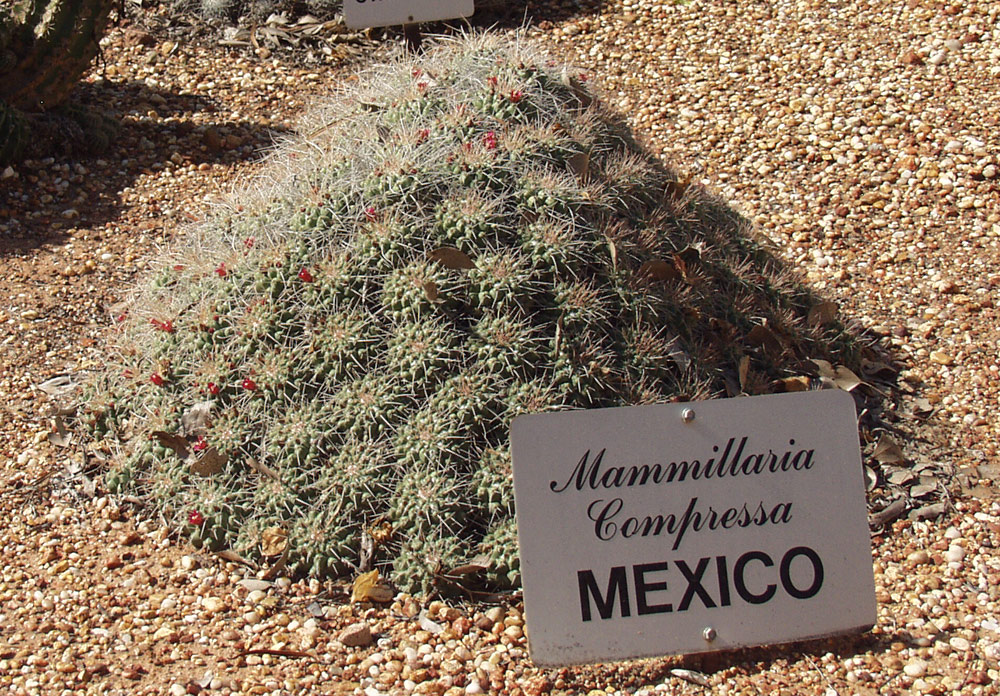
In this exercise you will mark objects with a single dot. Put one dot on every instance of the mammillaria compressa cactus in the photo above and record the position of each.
(328, 368)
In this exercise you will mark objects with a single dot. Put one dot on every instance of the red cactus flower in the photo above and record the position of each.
(249, 242)
(121, 317)
(516, 95)
(490, 140)
(422, 86)
(179, 267)
(248, 384)
(417, 72)
(220, 270)
(583, 77)
(370, 213)
(167, 325)
(212, 388)
(200, 445)
(423, 134)
(157, 379)
(195, 518)
(305, 276)
(491, 81)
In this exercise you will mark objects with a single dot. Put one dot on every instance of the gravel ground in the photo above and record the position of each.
(860, 137)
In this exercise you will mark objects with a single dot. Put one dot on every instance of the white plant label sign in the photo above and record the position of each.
(360, 14)
(693, 527)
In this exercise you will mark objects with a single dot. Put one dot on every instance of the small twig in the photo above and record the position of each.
(821, 672)
(280, 652)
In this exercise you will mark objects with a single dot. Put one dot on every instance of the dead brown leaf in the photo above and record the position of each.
(676, 189)
(210, 462)
(431, 290)
(762, 336)
(579, 164)
(794, 384)
(744, 372)
(452, 258)
(658, 269)
(476, 565)
(887, 451)
(273, 541)
(822, 314)
(368, 587)
(845, 379)
(177, 443)
(61, 437)
(279, 565)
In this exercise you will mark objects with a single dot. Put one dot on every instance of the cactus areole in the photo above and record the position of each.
(458, 239)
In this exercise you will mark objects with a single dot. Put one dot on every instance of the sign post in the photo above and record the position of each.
(696, 527)
(361, 14)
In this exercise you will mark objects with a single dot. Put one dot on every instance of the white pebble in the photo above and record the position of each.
(915, 668)
(954, 554)
(959, 643)
(473, 687)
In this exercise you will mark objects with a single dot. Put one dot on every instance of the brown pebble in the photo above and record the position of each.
(131, 538)
(356, 635)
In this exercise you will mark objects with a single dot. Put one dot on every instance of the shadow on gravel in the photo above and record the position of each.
(648, 672)
(152, 130)
(510, 15)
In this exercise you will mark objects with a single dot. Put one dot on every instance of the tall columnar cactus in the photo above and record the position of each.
(328, 368)
(45, 46)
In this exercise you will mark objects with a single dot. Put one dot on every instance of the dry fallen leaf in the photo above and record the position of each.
(61, 437)
(452, 258)
(210, 462)
(744, 372)
(273, 541)
(234, 557)
(262, 469)
(887, 451)
(197, 420)
(794, 384)
(825, 368)
(822, 314)
(177, 443)
(579, 164)
(658, 269)
(369, 588)
(690, 676)
(845, 379)
(279, 565)
(476, 565)
(431, 290)
(762, 336)
(676, 189)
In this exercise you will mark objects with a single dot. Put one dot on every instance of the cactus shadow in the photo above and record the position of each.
(150, 130)
(511, 15)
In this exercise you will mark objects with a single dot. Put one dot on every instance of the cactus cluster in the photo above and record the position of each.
(334, 358)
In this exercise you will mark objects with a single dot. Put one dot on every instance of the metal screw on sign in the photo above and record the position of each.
(709, 634)
(687, 415)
